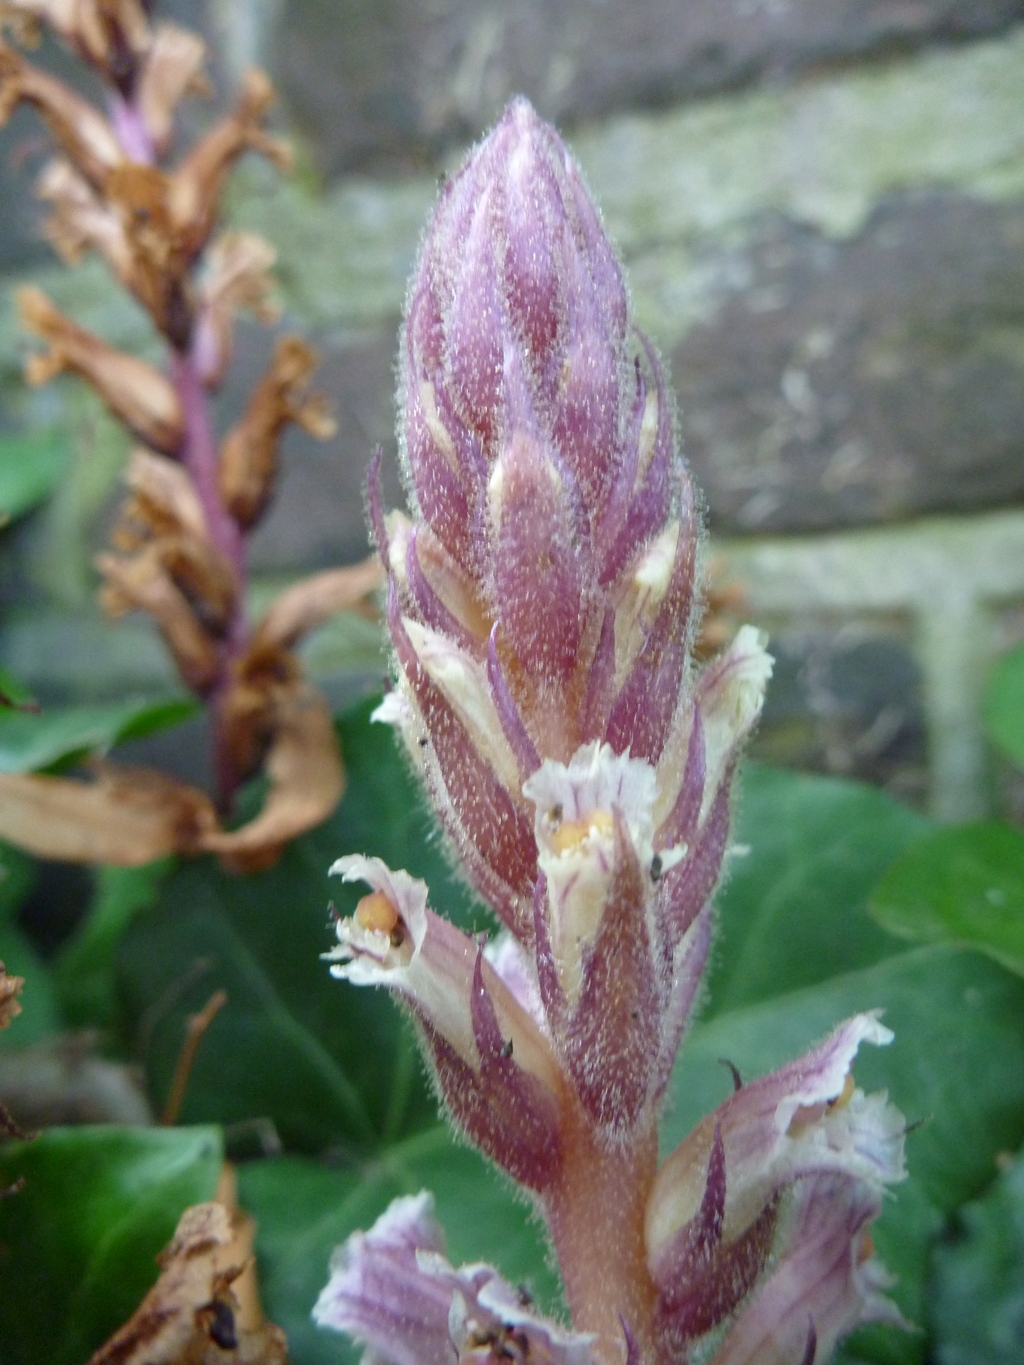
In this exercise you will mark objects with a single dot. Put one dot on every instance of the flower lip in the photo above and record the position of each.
(790, 1123)
(367, 952)
(582, 794)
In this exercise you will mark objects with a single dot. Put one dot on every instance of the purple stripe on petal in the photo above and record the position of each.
(643, 711)
(493, 834)
(680, 826)
(650, 504)
(600, 683)
(823, 1284)
(685, 888)
(505, 1111)
(378, 1294)
(537, 575)
(706, 1287)
(614, 513)
(433, 611)
(551, 993)
(687, 974)
(508, 713)
(607, 1039)
(440, 493)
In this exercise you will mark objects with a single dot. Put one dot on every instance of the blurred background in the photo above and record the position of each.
(820, 206)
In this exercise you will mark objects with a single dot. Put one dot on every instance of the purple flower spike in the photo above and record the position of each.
(542, 600)
(556, 537)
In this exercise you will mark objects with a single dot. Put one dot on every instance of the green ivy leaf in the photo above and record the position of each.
(62, 735)
(304, 1210)
(965, 885)
(40, 1016)
(17, 877)
(329, 1065)
(14, 694)
(31, 466)
(792, 911)
(1003, 707)
(81, 1235)
(977, 1305)
(957, 1062)
(83, 974)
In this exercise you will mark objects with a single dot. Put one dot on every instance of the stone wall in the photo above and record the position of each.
(820, 204)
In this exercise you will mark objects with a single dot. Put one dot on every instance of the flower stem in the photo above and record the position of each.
(199, 456)
(596, 1217)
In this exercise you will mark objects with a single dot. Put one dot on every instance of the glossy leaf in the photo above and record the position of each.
(965, 885)
(1004, 706)
(305, 1210)
(957, 1063)
(31, 466)
(40, 1015)
(792, 910)
(83, 974)
(59, 735)
(17, 877)
(328, 1064)
(14, 694)
(977, 1309)
(81, 1236)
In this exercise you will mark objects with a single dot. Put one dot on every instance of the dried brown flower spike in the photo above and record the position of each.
(178, 550)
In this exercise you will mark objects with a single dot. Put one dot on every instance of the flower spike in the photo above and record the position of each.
(543, 598)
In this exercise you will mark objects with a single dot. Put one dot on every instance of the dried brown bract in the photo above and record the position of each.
(306, 782)
(10, 989)
(133, 390)
(125, 816)
(170, 566)
(196, 184)
(109, 34)
(81, 132)
(238, 278)
(248, 463)
(173, 69)
(314, 600)
(192, 1316)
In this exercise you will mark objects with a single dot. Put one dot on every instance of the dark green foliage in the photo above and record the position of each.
(336, 1072)
(81, 1236)
(60, 736)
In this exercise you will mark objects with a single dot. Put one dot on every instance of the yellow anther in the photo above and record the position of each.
(572, 833)
(809, 1114)
(846, 1094)
(376, 913)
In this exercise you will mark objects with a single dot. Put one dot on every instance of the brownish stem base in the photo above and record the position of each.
(596, 1218)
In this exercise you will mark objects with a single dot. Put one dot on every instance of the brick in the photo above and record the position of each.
(317, 518)
(874, 379)
(390, 82)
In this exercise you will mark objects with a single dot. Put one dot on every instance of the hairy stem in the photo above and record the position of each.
(596, 1217)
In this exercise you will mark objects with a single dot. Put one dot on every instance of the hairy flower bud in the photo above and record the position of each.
(542, 599)
(542, 610)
